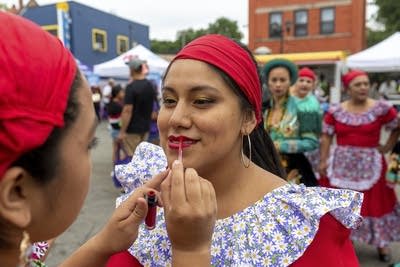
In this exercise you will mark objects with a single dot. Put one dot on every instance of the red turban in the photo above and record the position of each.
(306, 72)
(348, 77)
(232, 59)
(36, 73)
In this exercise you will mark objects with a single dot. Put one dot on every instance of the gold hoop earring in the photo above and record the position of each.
(246, 165)
(25, 249)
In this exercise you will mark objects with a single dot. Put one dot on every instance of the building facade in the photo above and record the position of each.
(293, 26)
(93, 36)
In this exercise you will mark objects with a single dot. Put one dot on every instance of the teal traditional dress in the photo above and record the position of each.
(297, 132)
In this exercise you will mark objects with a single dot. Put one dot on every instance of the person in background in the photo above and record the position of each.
(106, 97)
(138, 106)
(309, 111)
(96, 98)
(357, 160)
(289, 124)
(211, 104)
(46, 137)
(387, 88)
(114, 110)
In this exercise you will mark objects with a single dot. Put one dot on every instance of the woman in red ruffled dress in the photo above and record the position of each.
(357, 160)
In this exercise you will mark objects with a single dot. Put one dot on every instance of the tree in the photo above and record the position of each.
(222, 26)
(3, 6)
(226, 27)
(388, 15)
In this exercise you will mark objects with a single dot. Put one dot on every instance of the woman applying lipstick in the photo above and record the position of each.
(212, 104)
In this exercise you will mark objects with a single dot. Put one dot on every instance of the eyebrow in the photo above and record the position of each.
(193, 89)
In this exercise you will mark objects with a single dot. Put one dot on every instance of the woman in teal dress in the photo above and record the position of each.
(292, 123)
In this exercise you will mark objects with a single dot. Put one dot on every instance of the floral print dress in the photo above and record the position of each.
(291, 225)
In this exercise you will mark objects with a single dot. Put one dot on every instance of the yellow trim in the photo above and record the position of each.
(51, 27)
(121, 38)
(305, 57)
(104, 34)
(63, 6)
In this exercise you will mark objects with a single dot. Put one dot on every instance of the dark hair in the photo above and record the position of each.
(263, 152)
(42, 162)
(115, 91)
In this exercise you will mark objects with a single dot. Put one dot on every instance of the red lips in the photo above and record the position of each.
(173, 141)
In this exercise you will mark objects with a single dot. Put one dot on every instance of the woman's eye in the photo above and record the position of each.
(203, 101)
(168, 101)
(93, 143)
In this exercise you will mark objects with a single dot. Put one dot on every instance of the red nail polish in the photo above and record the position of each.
(150, 220)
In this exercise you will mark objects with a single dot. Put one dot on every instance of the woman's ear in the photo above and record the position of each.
(249, 123)
(14, 203)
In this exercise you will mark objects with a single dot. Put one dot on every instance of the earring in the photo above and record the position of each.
(246, 164)
(25, 249)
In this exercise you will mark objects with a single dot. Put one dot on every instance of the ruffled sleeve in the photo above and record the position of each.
(275, 231)
(328, 123)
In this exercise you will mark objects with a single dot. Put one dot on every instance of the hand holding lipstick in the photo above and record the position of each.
(190, 213)
(122, 229)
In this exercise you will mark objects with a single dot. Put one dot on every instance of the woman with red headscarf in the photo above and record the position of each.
(47, 128)
(357, 161)
(211, 119)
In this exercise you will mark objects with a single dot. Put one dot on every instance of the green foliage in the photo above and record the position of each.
(222, 26)
(388, 15)
(3, 6)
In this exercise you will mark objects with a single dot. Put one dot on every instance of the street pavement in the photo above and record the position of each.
(100, 204)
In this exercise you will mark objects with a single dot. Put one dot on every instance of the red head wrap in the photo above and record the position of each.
(232, 59)
(348, 77)
(306, 72)
(36, 73)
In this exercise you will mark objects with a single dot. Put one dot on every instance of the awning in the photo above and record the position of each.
(311, 58)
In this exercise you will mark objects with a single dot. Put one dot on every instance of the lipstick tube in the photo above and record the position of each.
(150, 220)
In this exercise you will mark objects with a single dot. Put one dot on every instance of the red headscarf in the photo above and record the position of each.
(36, 73)
(306, 72)
(348, 77)
(232, 59)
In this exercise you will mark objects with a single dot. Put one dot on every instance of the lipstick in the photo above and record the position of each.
(150, 220)
(180, 153)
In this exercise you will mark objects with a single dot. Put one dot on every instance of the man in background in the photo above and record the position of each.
(138, 106)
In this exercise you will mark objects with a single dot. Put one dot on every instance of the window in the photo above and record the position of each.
(52, 29)
(300, 23)
(327, 20)
(99, 40)
(122, 44)
(275, 24)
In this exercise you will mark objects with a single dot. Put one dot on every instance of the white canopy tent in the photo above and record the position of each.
(382, 57)
(116, 68)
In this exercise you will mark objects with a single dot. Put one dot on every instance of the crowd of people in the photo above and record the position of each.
(238, 189)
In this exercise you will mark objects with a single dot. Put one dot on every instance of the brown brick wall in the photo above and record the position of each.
(349, 33)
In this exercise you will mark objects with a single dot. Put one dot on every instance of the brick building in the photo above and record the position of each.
(293, 26)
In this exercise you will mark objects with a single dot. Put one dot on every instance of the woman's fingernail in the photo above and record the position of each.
(176, 163)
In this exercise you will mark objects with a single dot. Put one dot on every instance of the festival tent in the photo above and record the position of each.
(116, 68)
(382, 57)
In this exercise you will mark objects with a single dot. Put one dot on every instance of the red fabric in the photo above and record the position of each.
(348, 77)
(366, 135)
(228, 56)
(36, 73)
(332, 241)
(123, 259)
(331, 247)
(380, 199)
(306, 72)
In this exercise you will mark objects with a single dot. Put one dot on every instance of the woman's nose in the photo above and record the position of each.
(180, 116)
